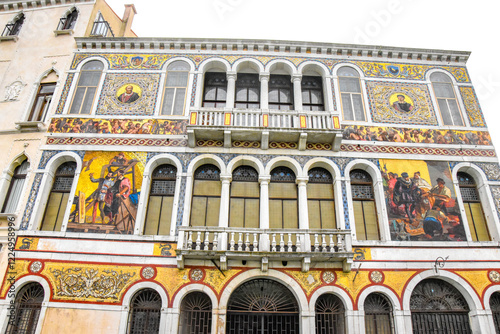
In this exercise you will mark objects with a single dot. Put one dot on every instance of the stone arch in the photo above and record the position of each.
(243, 160)
(383, 290)
(251, 63)
(281, 65)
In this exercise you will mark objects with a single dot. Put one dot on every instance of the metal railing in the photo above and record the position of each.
(264, 240)
(102, 29)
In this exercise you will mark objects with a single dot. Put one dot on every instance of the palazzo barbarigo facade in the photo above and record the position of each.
(246, 186)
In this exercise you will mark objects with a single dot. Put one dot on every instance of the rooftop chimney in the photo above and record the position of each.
(128, 17)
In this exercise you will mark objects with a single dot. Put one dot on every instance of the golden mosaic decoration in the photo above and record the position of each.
(472, 106)
(216, 280)
(494, 276)
(478, 279)
(345, 280)
(16, 270)
(172, 278)
(309, 281)
(397, 280)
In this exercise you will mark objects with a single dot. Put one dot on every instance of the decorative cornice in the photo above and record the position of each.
(272, 47)
(8, 6)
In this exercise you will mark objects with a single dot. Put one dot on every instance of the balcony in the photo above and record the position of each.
(264, 245)
(101, 29)
(264, 126)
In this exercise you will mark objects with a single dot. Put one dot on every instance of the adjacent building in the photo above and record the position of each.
(250, 186)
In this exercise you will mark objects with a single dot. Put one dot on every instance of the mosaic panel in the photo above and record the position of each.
(346, 206)
(193, 91)
(472, 107)
(117, 141)
(495, 191)
(150, 61)
(128, 94)
(180, 207)
(246, 144)
(417, 150)
(492, 170)
(421, 201)
(402, 103)
(118, 126)
(64, 94)
(411, 135)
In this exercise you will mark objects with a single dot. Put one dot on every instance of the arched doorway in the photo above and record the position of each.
(145, 312)
(438, 308)
(196, 314)
(28, 305)
(495, 310)
(378, 315)
(262, 306)
(330, 315)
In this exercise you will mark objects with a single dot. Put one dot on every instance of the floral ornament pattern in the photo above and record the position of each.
(196, 275)
(36, 266)
(328, 277)
(79, 282)
(148, 272)
(494, 276)
(376, 276)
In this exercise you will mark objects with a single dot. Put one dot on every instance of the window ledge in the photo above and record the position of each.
(30, 126)
(64, 32)
(8, 38)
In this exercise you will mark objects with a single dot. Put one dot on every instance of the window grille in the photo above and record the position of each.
(196, 314)
(245, 173)
(207, 172)
(437, 307)
(282, 174)
(320, 175)
(378, 315)
(145, 312)
(28, 304)
(495, 309)
(330, 315)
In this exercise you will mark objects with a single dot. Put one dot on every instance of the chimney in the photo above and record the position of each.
(128, 17)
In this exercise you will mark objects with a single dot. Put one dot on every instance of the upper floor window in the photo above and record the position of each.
(473, 207)
(283, 206)
(161, 200)
(206, 196)
(215, 93)
(312, 93)
(174, 93)
(320, 199)
(68, 22)
(363, 200)
(350, 94)
(28, 305)
(245, 197)
(101, 27)
(280, 92)
(247, 91)
(59, 197)
(446, 99)
(86, 89)
(16, 187)
(42, 102)
(13, 29)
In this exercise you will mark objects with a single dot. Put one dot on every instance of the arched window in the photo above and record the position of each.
(15, 188)
(495, 310)
(363, 201)
(68, 22)
(330, 315)
(196, 314)
(145, 312)
(59, 197)
(27, 307)
(161, 201)
(437, 307)
(206, 196)
(42, 102)
(247, 91)
(215, 91)
(262, 306)
(13, 29)
(85, 92)
(312, 93)
(446, 99)
(174, 93)
(350, 94)
(320, 199)
(473, 207)
(283, 208)
(244, 202)
(280, 92)
(378, 315)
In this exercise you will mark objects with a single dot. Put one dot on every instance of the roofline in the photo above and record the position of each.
(13, 6)
(290, 47)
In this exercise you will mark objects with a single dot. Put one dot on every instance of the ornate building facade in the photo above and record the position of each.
(223, 186)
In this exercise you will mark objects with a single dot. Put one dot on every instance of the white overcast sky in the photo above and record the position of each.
(431, 24)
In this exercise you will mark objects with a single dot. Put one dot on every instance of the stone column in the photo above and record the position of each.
(297, 91)
(264, 90)
(231, 89)
(264, 212)
(303, 212)
(224, 209)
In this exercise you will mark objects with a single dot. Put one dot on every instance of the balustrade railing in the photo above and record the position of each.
(259, 240)
(263, 118)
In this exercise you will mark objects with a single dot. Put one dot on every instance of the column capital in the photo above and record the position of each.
(226, 178)
(264, 179)
(231, 75)
(264, 76)
(302, 181)
(296, 77)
